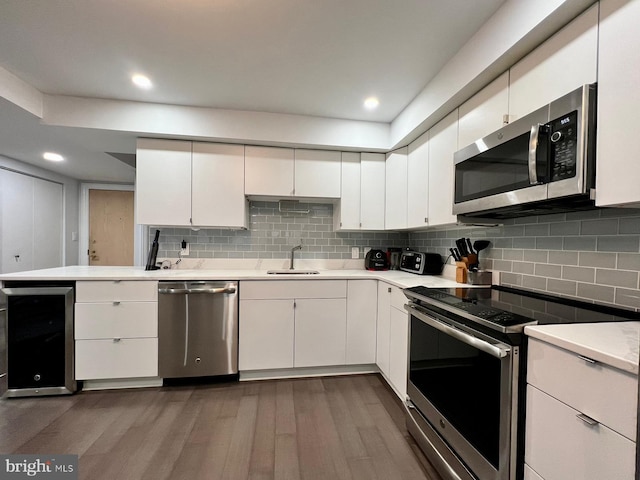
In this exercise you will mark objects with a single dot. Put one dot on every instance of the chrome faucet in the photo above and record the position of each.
(297, 247)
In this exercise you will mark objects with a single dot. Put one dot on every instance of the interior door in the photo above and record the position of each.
(110, 227)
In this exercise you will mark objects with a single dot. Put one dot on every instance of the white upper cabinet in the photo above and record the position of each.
(163, 182)
(317, 173)
(443, 143)
(563, 63)
(269, 171)
(617, 172)
(218, 185)
(418, 182)
(396, 190)
(184, 184)
(484, 113)
(346, 213)
(372, 191)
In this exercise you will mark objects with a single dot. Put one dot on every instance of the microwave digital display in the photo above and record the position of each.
(564, 143)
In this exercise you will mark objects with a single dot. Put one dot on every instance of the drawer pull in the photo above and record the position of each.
(117, 281)
(588, 420)
(116, 340)
(115, 304)
(587, 359)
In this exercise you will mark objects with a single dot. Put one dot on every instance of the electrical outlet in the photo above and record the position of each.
(184, 249)
(355, 252)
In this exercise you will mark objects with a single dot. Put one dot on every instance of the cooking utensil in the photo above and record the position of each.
(480, 245)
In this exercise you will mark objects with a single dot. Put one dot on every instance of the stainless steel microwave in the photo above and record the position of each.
(541, 163)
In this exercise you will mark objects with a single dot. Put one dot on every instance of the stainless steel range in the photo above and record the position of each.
(467, 359)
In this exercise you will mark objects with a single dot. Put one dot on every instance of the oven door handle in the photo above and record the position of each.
(498, 351)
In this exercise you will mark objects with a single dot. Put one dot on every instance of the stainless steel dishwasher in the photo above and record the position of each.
(197, 329)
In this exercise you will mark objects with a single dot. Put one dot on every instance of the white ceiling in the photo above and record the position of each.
(307, 57)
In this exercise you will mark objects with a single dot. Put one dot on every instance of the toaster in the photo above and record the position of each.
(376, 260)
(421, 263)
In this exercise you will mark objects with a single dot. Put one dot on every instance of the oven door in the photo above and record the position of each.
(465, 385)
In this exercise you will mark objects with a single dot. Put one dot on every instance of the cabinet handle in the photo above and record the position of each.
(116, 340)
(587, 359)
(117, 281)
(588, 420)
(389, 290)
(115, 304)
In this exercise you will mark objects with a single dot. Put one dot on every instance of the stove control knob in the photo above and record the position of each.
(37, 377)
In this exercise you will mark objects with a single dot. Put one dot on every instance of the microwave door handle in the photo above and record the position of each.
(533, 153)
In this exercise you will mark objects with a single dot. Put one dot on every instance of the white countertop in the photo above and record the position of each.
(395, 277)
(613, 343)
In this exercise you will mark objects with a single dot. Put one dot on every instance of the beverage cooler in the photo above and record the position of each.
(36, 339)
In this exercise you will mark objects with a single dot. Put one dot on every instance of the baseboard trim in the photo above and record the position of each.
(119, 383)
(278, 373)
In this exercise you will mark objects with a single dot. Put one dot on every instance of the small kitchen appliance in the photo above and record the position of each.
(376, 260)
(421, 263)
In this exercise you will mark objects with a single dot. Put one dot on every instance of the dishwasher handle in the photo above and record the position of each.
(211, 291)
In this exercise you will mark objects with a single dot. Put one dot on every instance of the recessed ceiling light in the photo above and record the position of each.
(52, 157)
(141, 81)
(371, 103)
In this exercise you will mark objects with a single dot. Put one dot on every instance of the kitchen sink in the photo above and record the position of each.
(292, 272)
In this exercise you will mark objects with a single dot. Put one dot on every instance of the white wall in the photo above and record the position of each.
(71, 199)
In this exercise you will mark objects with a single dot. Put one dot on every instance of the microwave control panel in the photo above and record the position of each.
(564, 146)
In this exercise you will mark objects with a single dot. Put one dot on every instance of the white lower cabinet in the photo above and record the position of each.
(361, 321)
(288, 323)
(580, 419)
(116, 330)
(393, 337)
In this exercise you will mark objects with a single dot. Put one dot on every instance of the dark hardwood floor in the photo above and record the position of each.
(349, 427)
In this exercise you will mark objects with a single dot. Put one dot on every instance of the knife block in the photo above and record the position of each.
(461, 271)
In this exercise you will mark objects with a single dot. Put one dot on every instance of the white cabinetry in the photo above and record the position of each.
(563, 63)
(418, 182)
(581, 418)
(288, 323)
(372, 185)
(317, 174)
(268, 171)
(485, 112)
(116, 329)
(190, 184)
(346, 213)
(617, 173)
(30, 211)
(396, 190)
(443, 143)
(392, 337)
(361, 321)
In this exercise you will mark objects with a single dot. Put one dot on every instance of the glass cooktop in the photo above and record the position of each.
(507, 306)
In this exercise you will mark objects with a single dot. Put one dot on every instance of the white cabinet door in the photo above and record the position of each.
(362, 315)
(317, 173)
(320, 332)
(48, 217)
(217, 196)
(16, 196)
(560, 65)
(484, 113)
(383, 326)
(398, 350)
(443, 143)
(347, 212)
(418, 182)
(266, 334)
(163, 182)
(396, 190)
(117, 358)
(372, 185)
(617, 172)
(268, 171)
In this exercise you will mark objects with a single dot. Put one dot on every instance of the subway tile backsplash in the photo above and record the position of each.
(591, 255)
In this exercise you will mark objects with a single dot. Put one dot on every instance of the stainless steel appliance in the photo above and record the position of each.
(36, 341)
(421, 263)
(197, 329)
(466, 385)
(541, 163)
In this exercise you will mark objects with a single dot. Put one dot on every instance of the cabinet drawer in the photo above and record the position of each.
(604, 393)
(116, 320)
(559, 445)
(127, 358)
(116, 291)
(283, 289)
